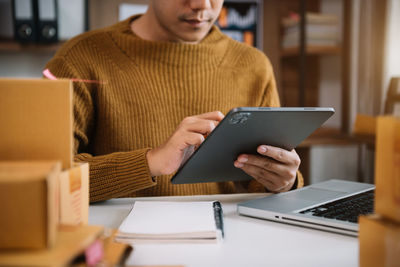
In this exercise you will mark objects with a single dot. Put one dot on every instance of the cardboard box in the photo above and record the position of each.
(29, 204)
(71, 242)
(36, 120)
(387, 168)
(74, 195)
(365, 125)
(379, 242)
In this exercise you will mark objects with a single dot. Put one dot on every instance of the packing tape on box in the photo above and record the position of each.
(74, 195)
(75, 182)
(47, 73)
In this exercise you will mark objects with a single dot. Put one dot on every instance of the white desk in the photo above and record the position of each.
(248, 241)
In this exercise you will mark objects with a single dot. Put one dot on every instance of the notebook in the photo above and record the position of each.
(171, 222)
(333, 206)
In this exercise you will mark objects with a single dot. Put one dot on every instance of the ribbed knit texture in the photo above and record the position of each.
(145, 89)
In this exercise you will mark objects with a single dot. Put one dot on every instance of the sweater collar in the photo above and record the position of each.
(210, 51)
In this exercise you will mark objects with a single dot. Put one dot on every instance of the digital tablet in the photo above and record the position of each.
(242, 131)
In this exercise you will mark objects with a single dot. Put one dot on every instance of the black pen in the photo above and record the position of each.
(218, 215)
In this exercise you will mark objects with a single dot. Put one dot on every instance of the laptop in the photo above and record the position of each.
(332, 206)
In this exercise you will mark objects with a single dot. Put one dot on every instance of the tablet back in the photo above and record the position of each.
(242, 131)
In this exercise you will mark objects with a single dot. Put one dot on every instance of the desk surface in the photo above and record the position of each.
(248, 241)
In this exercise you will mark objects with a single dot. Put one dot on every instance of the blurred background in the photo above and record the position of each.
(329, 53)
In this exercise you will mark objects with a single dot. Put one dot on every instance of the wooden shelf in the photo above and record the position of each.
(312, 50)
(13, 46)
(331, 136)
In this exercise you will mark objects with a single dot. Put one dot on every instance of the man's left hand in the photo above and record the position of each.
(275, 168)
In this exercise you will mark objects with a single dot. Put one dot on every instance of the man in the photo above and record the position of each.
(153, 73)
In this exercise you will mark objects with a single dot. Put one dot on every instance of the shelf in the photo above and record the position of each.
(312, 50)
(13, 46)
(331, 136)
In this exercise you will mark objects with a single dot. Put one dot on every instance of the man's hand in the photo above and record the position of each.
(167, 158)
(276, 168)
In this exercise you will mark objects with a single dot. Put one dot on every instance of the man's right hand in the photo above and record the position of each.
(167, 158)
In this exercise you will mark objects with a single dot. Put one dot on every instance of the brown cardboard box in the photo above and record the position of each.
(71, 242)
(36, 120)
(29, 204)
(365, 125)
(74, 195)
(379, 242)
(115, 253)
(387, 168)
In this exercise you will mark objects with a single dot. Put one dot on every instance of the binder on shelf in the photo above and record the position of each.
(24, 16)
(6, 20)
(47, 26)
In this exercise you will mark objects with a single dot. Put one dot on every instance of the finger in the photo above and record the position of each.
(182, 139)
(192, 139)
(267, 178)
(197, 125)
(266, 163)
(214, 115)
(279, 154)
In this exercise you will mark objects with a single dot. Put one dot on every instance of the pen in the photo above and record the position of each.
(218, 214)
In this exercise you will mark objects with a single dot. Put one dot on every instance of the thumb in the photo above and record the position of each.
(188, 151)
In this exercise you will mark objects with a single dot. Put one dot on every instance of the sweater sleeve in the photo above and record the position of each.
(271, 99)
(112, 175)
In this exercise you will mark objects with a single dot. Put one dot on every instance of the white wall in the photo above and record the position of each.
(392, 55)
(330, 87)
(71, 18)
(355, 30)
(331, 161)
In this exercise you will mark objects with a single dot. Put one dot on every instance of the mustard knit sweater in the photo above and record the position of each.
(145, 89)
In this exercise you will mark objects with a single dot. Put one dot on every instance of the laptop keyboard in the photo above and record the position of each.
(345, 209)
